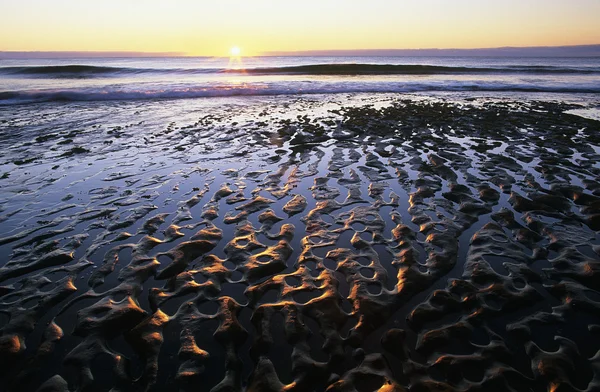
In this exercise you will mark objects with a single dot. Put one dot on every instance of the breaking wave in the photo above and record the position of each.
(90, 71)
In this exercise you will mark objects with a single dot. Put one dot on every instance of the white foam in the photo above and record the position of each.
(589, 113)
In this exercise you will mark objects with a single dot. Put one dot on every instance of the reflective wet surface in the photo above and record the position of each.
(349, 243)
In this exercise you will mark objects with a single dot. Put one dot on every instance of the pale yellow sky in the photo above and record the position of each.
(198, 27)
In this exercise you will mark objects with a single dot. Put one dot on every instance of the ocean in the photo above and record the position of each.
(38, 80)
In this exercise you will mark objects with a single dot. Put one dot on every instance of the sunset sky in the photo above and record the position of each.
(211, 28)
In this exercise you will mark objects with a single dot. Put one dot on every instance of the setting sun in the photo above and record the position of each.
(235, 51)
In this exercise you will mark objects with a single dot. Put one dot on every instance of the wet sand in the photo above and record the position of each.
(339, 243)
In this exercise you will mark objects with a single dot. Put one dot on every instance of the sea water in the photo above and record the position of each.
(93, 79)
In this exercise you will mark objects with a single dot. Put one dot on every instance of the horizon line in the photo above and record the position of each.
(586, 50)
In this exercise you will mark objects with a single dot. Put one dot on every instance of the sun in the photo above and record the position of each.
(235, 58)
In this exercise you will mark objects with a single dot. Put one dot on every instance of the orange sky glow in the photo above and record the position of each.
(204, 28)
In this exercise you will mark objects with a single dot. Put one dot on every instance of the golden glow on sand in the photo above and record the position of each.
(206, 28)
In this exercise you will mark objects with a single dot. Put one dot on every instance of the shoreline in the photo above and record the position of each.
(582, 98)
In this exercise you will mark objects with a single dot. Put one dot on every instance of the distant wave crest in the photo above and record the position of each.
(394, 69)
(58, 70)
(90, 71)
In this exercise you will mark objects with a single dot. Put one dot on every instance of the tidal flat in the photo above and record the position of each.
(347, 242)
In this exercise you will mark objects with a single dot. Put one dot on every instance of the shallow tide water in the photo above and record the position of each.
(349, 242)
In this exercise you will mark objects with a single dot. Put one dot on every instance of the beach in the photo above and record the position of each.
(404, 228)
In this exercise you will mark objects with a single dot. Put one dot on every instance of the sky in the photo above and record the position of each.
(212, 28)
